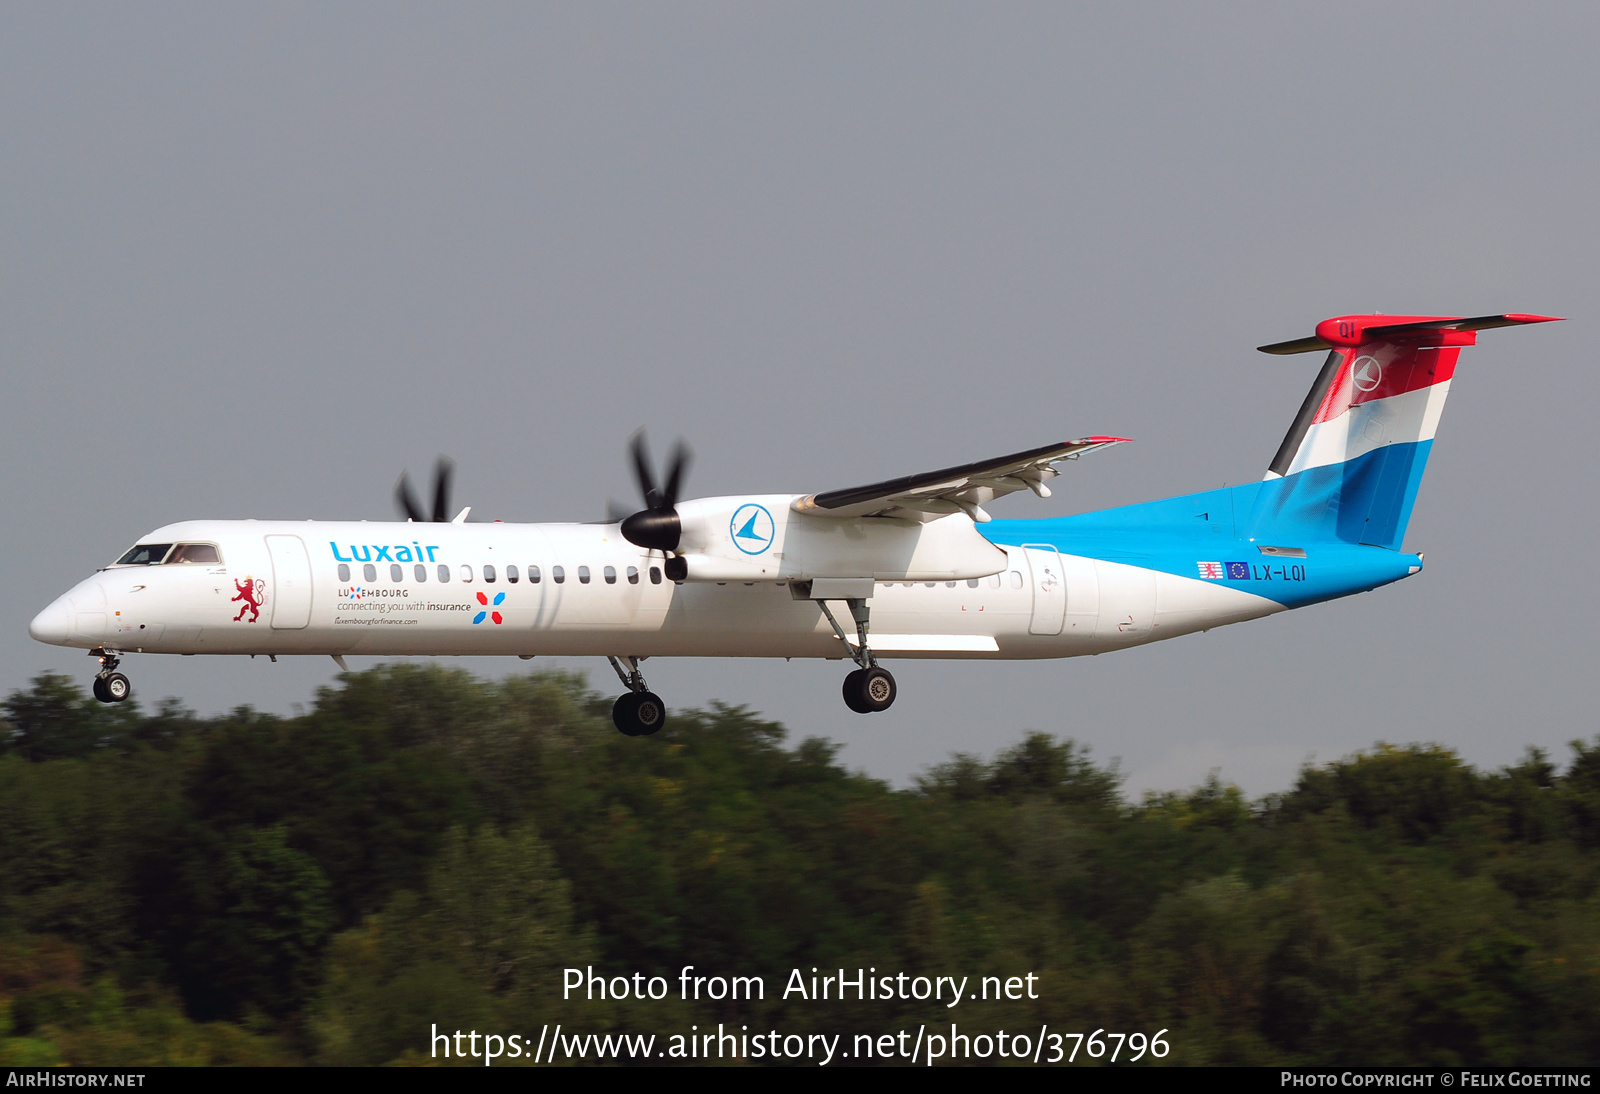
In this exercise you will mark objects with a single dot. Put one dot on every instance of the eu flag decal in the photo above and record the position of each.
(1238, 571)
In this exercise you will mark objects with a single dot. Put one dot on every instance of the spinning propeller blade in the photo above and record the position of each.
(443, 470)
(656, 527)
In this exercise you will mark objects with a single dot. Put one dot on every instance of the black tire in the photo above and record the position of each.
(649, 713)
(622, 714)
(99, 689)
(852, 692)
(639, 714)
(117, 687)
(877, 690)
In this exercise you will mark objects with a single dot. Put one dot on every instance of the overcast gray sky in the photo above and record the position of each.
(257, 259)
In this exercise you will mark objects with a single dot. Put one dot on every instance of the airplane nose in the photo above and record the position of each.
(54, 624)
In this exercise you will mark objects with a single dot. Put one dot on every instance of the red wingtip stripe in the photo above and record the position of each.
(1103, 440)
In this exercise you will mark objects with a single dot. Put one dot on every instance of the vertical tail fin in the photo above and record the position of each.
(1350, 465)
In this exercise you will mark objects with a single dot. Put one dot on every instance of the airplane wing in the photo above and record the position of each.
(963, 489)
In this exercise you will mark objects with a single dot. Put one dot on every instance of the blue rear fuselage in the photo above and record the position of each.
(1256, 532)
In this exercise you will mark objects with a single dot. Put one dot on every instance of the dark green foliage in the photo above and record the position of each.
(423, 846)
(485, 944)
(250, 922)
(55, 720)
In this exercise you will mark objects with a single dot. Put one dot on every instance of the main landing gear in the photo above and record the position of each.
(870, 688)
(640, 712)
(109, 686)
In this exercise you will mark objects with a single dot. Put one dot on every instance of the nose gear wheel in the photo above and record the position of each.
(109, 686)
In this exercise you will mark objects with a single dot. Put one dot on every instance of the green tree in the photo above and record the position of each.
(253, 927)
(484, 943)
(54, 720)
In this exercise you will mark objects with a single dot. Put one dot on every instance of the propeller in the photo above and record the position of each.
(656, 527)
(442, 473)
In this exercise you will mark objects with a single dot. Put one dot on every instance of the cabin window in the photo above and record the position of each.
(583, 575)
(466, 573)
(201, 554)
(511, 574)
(994, 581)
(533, 575)
(344, 572)
(444, 572)
(397, 572)
(558, 574)
(146, 554)
(931, 584)
(972, 583)
(488, 574)
(1016, 580)
(369, 572)
(949, 584)
(655, 575)
(633, 575)
(421, 571)
(611, 575)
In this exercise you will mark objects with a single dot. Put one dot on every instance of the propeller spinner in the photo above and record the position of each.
(656, 527)
(442, 473)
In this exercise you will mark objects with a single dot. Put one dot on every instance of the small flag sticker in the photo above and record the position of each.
(1211, 571)
(1238, 571)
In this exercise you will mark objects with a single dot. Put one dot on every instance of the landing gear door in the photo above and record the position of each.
(291, 583)
(1049, 588)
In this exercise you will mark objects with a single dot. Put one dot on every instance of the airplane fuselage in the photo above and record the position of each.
(349, 588)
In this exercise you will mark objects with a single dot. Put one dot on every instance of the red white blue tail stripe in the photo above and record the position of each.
(1339, 492)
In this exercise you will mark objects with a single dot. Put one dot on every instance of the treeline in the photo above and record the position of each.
(423, 847)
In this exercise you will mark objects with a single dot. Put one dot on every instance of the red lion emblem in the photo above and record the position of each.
(253, 591)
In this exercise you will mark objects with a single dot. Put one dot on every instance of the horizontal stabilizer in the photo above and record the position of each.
(1298, 345)
(1351, 330)
(1479, 322)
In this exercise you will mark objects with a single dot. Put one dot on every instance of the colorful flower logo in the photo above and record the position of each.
(499, 598)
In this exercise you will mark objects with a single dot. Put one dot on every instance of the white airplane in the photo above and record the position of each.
(911, 567)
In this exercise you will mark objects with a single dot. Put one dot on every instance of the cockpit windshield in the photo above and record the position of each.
(151, 554)
(145, 554)
(204, 554)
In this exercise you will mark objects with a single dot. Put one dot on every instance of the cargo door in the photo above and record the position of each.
(1049, 588)
(291, 582)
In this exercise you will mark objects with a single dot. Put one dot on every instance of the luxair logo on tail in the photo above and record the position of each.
(752, 528)
(1349, 468)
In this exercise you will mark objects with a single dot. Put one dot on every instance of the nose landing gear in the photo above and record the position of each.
(109, 686)
(640, 712)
